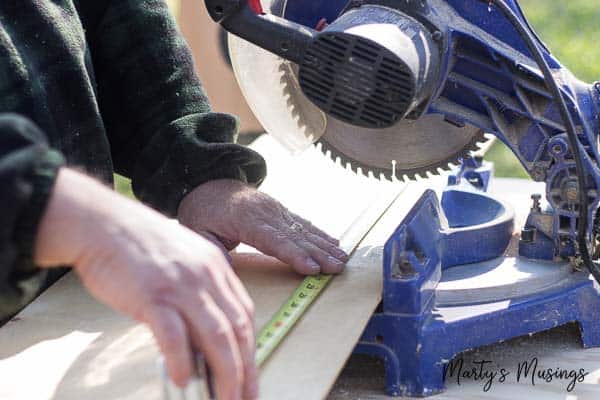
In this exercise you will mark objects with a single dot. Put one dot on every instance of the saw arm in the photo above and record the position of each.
(244, 18)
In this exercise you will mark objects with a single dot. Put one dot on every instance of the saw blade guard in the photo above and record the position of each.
(295, 100)
(277, 90)
(276, 100)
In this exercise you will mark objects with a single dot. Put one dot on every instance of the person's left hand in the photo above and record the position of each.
(236, 212)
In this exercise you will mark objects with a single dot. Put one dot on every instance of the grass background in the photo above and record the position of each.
(571, 29)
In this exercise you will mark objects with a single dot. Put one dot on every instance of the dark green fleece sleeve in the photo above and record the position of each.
(160, 126)
(28, 168)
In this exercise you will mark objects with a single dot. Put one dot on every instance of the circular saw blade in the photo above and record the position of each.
(272, 92)
(407, 150)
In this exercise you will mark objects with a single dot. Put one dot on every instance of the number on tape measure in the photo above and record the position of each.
(278, 327)
(282, 322)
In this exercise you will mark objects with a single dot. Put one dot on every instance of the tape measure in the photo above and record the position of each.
(290, 312)
(271, 335)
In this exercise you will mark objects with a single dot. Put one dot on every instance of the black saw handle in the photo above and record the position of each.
(274, 34)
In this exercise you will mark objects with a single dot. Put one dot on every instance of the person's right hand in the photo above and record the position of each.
(158, 272)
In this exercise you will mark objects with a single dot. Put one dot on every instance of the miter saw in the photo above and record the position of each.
(399, 89)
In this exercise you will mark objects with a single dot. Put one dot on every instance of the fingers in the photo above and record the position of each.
(237, 287)
(170, 333)
(228, 297)
(212, 333)
(211, 237)
(313, 229)
(276, 244)
(249, 342)
(294, 249)
(318, 237)
(218, 321)
(328, 263)
(309, 245)
(327, 246)
(223, 243)
(234, 302)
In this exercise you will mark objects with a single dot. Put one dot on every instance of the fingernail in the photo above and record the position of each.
(314, 267)
(336, 262)
(341, 255)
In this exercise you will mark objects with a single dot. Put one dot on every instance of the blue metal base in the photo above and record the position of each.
(417, 337)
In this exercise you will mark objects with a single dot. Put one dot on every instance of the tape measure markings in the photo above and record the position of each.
(287, 316)
(291, 311)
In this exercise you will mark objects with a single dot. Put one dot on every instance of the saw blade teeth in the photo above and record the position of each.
(347, 166)
(289, 83)
(290, 89)
(339, 162)
(394, 175)
(351, 167)
(397, 179)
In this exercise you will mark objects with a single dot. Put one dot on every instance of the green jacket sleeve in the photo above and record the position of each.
(160, 126)
(28, 168)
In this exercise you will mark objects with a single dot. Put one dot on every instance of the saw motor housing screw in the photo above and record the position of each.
(536, 202)
(571, 191)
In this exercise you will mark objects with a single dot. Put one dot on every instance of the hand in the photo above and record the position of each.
(220, 243)
(146, 266)
(238, 213)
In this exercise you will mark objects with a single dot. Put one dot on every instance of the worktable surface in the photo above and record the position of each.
(67, 371)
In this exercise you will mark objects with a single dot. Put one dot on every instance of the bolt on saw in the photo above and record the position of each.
(402, 89)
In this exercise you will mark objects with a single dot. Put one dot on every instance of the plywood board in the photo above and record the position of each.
(67, 346)
(81, 349)
(307, 363)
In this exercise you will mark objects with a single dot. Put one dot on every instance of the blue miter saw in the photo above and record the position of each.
(403, 88)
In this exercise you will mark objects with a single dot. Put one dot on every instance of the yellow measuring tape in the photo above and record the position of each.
(271, 335)
(282, 322)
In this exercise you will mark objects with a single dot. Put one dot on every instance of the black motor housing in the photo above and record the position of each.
(372, 67)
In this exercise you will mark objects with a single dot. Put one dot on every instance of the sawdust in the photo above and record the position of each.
(363, 376)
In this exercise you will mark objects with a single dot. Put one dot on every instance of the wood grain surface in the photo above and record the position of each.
(65, 345)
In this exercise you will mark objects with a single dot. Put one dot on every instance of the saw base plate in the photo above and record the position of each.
(430, 316)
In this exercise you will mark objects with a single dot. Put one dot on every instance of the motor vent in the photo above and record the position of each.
(356, 80)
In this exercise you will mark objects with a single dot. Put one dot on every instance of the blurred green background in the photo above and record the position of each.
(570, 28)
